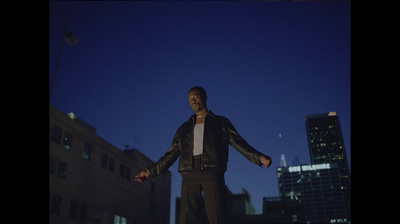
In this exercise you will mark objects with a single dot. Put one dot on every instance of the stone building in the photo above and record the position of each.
(91, 181)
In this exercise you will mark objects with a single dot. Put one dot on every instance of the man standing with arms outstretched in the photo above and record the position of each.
(202, 144)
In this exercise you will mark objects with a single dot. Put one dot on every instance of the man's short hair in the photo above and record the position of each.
(201, 90)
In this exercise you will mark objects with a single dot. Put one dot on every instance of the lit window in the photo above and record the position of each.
(67, 141)
(294, 217)
(119, 220)
(86, 151)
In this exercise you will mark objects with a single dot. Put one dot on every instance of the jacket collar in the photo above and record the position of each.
(210, 113)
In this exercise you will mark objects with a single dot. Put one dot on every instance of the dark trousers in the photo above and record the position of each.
(211, 182)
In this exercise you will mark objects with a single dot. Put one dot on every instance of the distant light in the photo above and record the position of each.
(280, 135)
(332, 113)
(71, 115)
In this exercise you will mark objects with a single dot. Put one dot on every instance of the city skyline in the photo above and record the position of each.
(264, 65)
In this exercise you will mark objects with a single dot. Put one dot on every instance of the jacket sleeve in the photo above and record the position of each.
(241, 145)
(168, 159)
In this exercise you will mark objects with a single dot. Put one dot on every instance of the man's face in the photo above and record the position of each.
(196, 101)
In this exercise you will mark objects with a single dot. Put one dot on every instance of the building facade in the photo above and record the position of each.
(91, 181)
(241, 205)
(326, 145)
(312, 193)
(239, 209)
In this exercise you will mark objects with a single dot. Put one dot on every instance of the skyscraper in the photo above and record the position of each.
(283, 160)
(312, 194)
(326, 145)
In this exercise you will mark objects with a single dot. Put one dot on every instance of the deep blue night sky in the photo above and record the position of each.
(264, 65)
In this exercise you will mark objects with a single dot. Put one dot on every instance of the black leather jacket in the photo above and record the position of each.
(219, 133)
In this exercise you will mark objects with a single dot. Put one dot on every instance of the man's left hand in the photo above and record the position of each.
(265, 160)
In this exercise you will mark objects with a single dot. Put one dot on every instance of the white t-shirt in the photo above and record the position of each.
(198, 139)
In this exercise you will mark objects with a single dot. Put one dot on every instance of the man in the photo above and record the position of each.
(202, 144)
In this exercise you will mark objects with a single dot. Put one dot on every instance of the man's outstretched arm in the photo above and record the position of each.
(245, 149)
(162, 164)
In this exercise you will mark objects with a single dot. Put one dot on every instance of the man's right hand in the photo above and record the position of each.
(142, 176)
